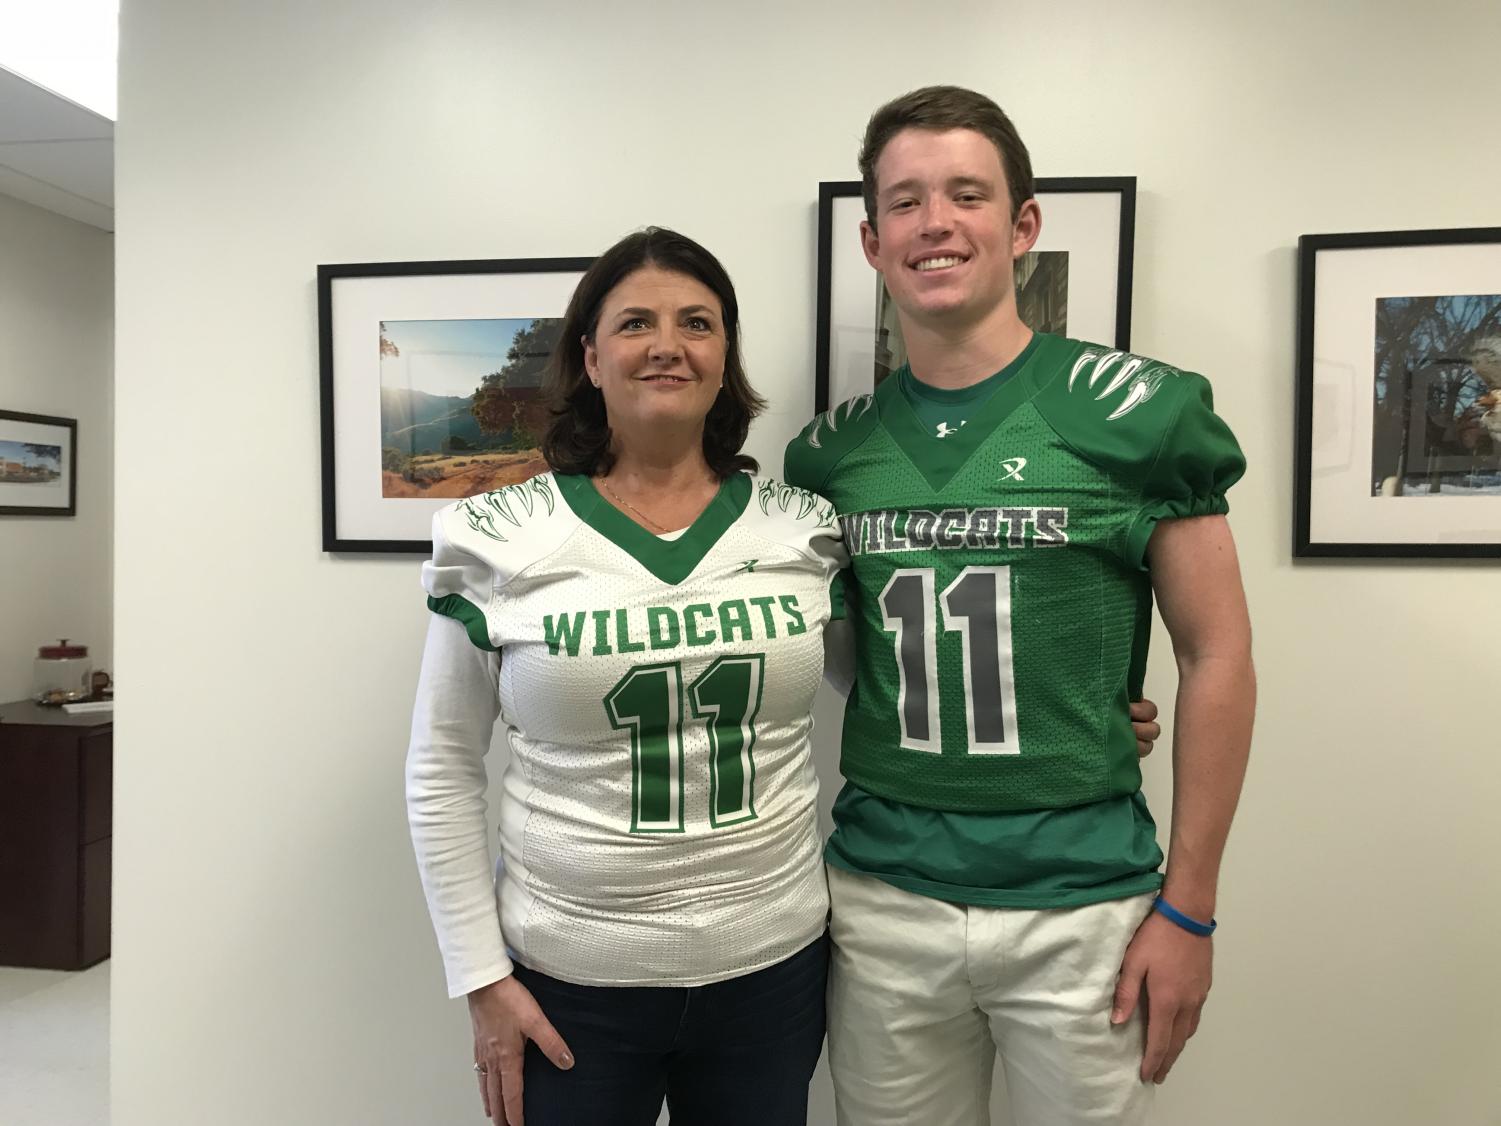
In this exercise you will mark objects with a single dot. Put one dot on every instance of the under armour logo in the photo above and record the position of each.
(944, 429)
(746, 567)
(1013, 467)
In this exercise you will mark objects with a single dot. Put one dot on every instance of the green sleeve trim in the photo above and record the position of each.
(468, 615)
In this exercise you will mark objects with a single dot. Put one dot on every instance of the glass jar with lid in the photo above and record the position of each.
(61, 674)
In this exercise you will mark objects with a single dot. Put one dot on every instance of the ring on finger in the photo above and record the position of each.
(481, 1068)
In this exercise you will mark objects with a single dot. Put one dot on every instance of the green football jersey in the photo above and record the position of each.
(1000, 596)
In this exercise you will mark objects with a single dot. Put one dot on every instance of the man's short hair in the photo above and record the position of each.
(939, 108)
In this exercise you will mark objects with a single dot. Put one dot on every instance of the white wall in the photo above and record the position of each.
(273, 959)
(56, 358)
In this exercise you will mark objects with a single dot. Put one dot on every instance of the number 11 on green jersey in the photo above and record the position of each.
(977, 604)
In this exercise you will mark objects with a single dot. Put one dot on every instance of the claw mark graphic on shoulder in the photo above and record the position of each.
(1138, 375)
(508, 504)
(951, 529)
(795, 502)
(844, 412)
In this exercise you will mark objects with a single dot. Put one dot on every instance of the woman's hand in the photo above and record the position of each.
(505, 1016)
(1143, 716)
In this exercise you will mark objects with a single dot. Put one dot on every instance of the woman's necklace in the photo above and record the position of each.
(661, 531)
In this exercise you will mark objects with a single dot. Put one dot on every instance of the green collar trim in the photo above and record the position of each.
(939, 461)
(671, 561)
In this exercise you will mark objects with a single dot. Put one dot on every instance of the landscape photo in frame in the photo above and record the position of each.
(38, 465)
(431, 388)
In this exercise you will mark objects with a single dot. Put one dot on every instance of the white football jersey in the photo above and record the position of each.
(658, 824)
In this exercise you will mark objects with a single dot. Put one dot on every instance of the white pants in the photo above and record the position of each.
(923, 994)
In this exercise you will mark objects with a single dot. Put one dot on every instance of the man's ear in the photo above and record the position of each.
(870, 242)
(1028, 226)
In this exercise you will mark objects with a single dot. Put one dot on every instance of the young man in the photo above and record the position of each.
(1012, 502)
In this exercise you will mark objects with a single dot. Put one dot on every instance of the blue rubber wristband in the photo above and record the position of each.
(1172, 914)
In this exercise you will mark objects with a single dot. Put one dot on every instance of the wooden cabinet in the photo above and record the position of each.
(56, 781)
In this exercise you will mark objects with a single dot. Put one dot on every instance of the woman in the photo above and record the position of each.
(652, 616)
(647, 620)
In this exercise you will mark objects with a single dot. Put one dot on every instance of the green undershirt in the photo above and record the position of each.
(940, 405)
(1032, 859)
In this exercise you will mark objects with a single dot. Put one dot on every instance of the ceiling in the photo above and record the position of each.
(56, 154)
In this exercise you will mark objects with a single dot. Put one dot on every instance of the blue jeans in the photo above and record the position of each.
(734, 1053)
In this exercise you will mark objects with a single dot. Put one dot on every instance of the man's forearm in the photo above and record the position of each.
(1211, 742)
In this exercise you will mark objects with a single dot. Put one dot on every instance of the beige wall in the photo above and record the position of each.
(56, 358)
(274, 962)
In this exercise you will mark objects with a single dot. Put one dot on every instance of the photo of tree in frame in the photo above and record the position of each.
(462, 409)
(430, 388)
(1397, 419)
(1436, 428)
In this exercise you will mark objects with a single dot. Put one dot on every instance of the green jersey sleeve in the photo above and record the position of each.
(1197, 462)
(1151, 431)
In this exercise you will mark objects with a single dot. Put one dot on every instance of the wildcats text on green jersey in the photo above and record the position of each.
(599, 633)
(952, 529)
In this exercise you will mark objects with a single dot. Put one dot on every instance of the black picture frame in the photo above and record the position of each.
(54, 480)
(1358, 426)
(353, 298)
(1119, 208)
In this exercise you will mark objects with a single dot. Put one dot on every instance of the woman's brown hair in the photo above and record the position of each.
(578, 440)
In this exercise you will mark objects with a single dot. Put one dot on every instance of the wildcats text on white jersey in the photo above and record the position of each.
(655, 628)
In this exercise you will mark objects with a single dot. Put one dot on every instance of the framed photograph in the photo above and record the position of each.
(38, 465)
(1075, 282)
(431, 383)
(1398, 450)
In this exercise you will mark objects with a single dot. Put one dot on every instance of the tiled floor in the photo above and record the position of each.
(54, 1047)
